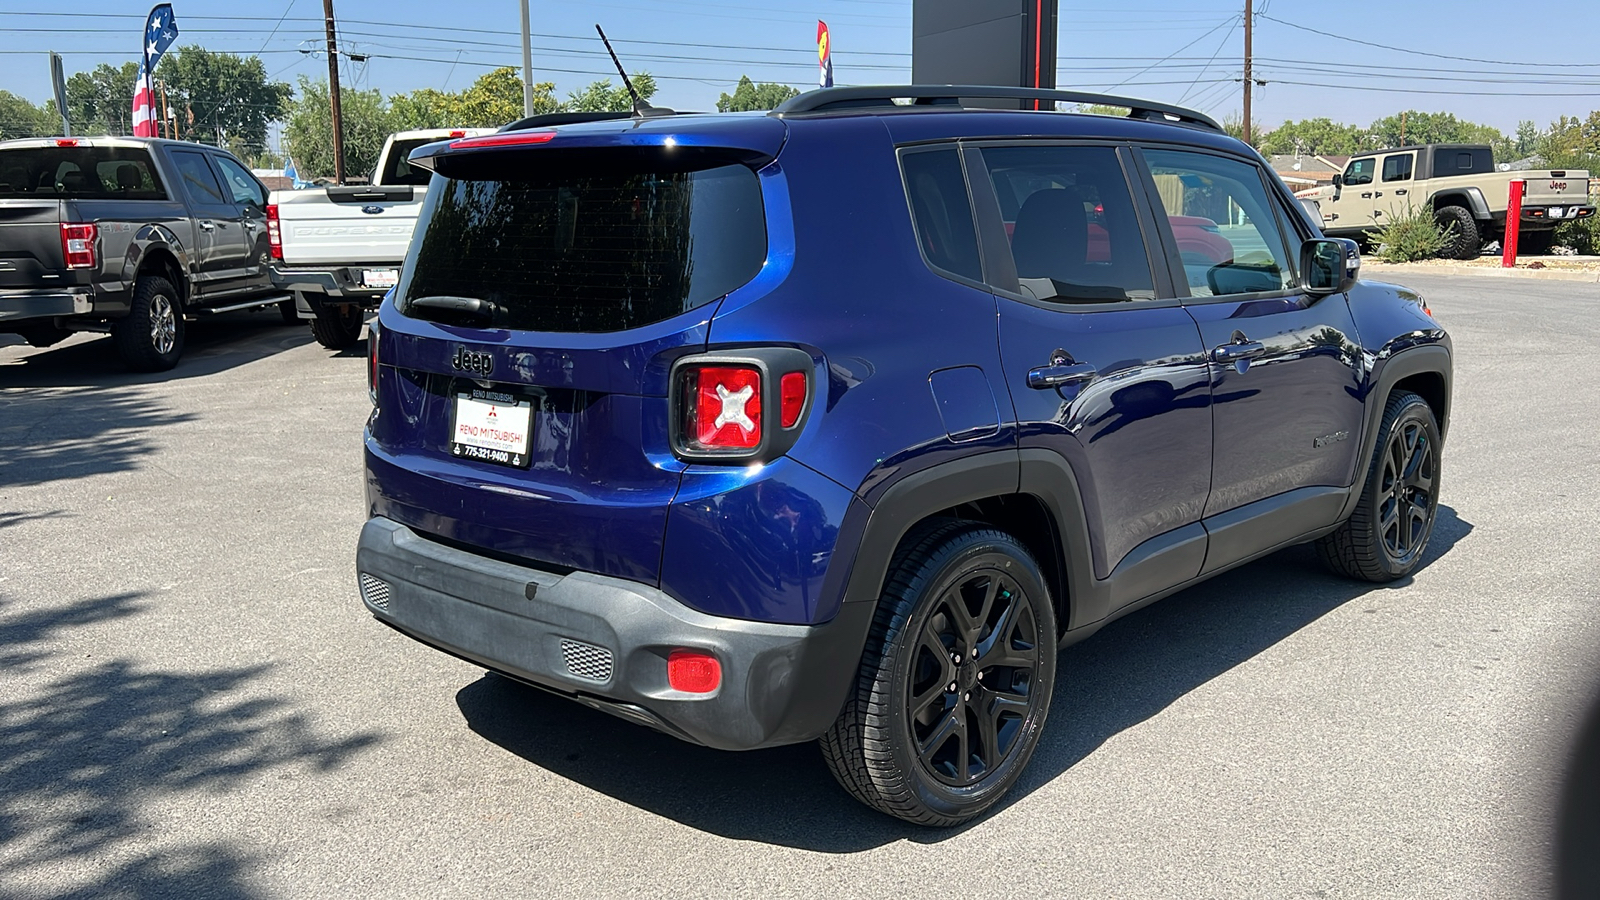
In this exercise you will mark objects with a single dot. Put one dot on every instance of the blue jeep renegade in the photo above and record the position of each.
(836, 423)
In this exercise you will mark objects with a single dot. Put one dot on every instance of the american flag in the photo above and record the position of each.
(160, 30)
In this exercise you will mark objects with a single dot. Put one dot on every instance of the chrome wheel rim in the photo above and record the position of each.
(163, 324)
(973, 685)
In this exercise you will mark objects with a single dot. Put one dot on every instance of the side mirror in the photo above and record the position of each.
(1338, 179)
(1329, 265)
(1313, 211)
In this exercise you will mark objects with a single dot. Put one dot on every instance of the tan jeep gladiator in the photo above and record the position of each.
(1459, 183)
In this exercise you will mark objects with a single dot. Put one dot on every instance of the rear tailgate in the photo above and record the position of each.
(1558, 188)
(30, 244)
(596, 279)
(347, 225)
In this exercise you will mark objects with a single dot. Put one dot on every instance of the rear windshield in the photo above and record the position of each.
(89, 173)
(589, 251)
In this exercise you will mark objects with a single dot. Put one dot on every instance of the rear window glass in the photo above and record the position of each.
(90, 173)
(398, 170)
(588, 251)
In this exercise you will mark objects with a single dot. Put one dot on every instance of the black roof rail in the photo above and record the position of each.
(842, 99)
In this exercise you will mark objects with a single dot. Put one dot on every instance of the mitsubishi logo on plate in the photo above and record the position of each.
(467, 361)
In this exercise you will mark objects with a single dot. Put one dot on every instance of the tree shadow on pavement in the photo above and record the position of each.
(1113, 681)
(212, 344)
(54, 434)
(87, 757)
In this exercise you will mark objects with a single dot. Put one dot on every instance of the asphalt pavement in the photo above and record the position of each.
(193, 702)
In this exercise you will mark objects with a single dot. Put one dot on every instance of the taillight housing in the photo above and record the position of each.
(77, 244)
(740, 406)
(372, 361)
(274, 231)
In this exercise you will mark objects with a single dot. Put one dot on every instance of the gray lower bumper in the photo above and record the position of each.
(18, 305)
(605, 641)
(343, 282)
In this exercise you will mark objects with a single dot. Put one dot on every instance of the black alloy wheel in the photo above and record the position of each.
(1387, 534)
(971, 682)
(955, 681)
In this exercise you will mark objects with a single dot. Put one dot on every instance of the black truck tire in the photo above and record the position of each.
(1464, 241)
(150, 337)
(337, 326)
(955, 680)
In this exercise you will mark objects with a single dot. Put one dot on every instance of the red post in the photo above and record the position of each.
(1508, 255)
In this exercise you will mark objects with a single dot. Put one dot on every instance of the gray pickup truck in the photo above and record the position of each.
(131, 236)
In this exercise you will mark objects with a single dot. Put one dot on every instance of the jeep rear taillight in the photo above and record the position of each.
(274, 231)
(723, 408)
(77, 244)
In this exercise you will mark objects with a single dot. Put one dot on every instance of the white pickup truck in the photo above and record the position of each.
(339, 249)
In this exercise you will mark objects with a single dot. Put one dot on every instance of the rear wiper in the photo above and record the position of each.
(462, 310)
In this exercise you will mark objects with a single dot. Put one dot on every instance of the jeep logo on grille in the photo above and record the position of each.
(467, 361)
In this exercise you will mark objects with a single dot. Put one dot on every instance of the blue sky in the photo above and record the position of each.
(1158, 49)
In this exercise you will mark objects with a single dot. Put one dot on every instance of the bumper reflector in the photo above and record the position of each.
(693, 671)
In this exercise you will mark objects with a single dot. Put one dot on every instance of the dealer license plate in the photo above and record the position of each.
(1558, 212)
(492, 427)
(380, 278)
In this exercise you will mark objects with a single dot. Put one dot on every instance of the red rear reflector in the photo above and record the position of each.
(456, 134)
(792, 392)
(725, 408)
(77, 244)
(274, 231)
(693, 671)
(66, 142)
(372, 362)
(511, 139)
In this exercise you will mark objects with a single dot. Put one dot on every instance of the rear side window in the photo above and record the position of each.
(588, 250)
(198, 180)
(1071, 223)
(89, 173)
(941, 211)
(1397, 168)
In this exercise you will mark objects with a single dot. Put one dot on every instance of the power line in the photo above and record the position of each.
(1492, 62)
(1158, 62)
(1208, 63)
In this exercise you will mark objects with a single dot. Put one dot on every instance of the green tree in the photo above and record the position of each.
(20, 118)
(493, 100)
(749, 96)
(602, 97)
(1527, 139)
(1413, 127)
(222, 98)
(101, 101)
(1312, 137)
(1233, 126)
(308, 132)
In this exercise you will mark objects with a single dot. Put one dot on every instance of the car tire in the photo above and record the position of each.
(150, 337)
(1387, 535)
(290, 315)
(964, 602)
(337, 326)
(1465, 241)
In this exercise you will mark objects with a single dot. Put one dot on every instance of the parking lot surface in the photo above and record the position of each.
(194, 703)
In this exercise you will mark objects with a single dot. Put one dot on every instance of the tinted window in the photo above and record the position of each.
(939, 207)
(241, 184)
(1455, 161)
(198, 180)
(1360, 171)
(1397, 168)
(1071, 222)
(586, 250)
(398, 171)
(94, 173)
(1224, 222)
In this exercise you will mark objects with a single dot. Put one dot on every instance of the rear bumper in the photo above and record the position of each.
(344, 282)
(1568, 213)
(19, 304)
(604, 641)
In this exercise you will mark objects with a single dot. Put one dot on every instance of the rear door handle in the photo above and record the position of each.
(1226, 353)
(1367, 195)
(1059, 374)
(1400, 193)
(207, 226)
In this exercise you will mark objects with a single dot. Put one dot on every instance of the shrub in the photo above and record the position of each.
(1410, 236)
(1582, 235)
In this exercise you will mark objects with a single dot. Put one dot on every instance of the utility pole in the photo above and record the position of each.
(333, 95)
(1249, 77)
(527, 63)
